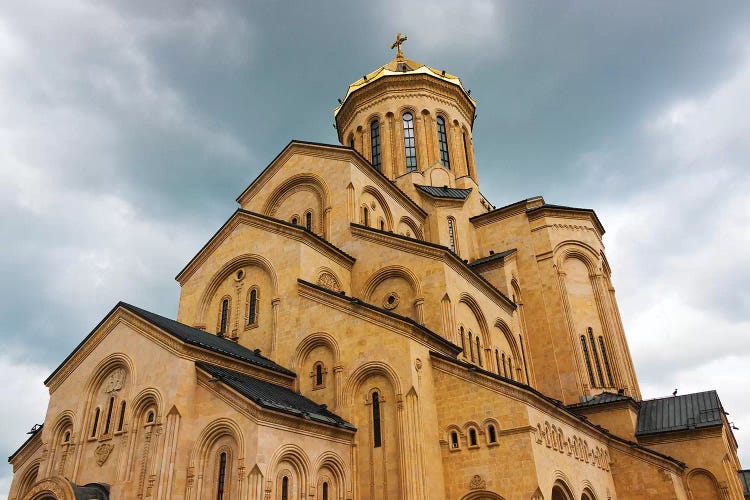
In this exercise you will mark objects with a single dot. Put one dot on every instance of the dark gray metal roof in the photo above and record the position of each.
(206, 340)
(275, 397)
(494, 256)
(91, 491)
(600, 399)
(688, 411)
(745, 480)
(444, 192)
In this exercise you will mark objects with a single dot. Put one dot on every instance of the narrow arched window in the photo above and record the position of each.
(365, 216)
(351, 141)
(109, 415)
(492, 434)
(606, 360)
(451, 234)
(224, 316)
(471, 347)
(375, 141)
(382, 225)
(463, 340)
(472, 437)
(252, 308)
(325, 491)
(319, 374)
(285, 488)
(466, 152)
(308, 221)
(454, 439)
(96, 422)
(505, 368)
(222, 476)
(410, 149)
(510, 368)
(443, 141)
(121, 422)
(497, 361)
(596, 357)
(150, 418)
(587, 360)
(67, 437)
(479, 352)
(294, 220)
(376, 420)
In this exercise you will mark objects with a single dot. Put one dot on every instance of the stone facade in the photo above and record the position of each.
(448, 349)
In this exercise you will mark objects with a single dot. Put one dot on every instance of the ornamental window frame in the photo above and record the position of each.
(442, 136)
(252, 310)
(410, 141)
(375, 146)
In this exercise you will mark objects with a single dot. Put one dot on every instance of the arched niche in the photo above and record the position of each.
(396, 289)
(297, 195)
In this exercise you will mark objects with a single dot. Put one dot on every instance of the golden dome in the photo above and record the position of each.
(401, 66)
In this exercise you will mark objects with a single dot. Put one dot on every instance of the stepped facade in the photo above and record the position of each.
(367, 325)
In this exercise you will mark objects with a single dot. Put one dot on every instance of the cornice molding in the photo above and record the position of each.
(264, 416)
(373, 314)
(26, 451)
(331, 152)
(573, 213)
(507, 211)
(435, 252)
(180, 349)
(365, 97)
(553, 409)
(270, 224)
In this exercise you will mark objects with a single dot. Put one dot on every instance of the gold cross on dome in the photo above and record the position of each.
(397, 45)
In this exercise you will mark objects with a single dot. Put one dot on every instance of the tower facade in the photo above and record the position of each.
(367, 325)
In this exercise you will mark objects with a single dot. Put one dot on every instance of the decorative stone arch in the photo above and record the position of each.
(459, 433)
(53, 487)
(515, 351)
(482, 495)
(375, 193)
(587, 491)
(146, 399)
(387, 272)
(486, 424)
(561, 488)
(358, 377)
(28, 478)
(225, 271)
(407, 221)
(297, 458)
(60, 446)
(200, 457)
(319, 339)
(332, 462)
(473, 305)
(571, 249)
(697, 474)
(327, 278)
(105, 368)
(468, 427)
(302, 182)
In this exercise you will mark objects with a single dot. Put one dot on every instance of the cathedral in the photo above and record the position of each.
(367, 325)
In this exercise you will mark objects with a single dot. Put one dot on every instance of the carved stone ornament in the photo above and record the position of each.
(329, 281)
(115, 381)
(391, 301)
(477, 483)
(418, 364)
(102, 453)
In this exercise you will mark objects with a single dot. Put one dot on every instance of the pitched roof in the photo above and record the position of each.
(600, 399)
(444, 192)
(676, 413)
(745, 480)
(275, 397)
(191, 336)
(206, 340)
(34, 431)
(494, 256)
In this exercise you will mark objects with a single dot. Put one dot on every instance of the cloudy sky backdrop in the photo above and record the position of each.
(128, 129)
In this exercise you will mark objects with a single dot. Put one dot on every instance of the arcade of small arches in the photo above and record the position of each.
(472, 435)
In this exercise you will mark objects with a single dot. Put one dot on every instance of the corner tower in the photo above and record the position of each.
(406, 117)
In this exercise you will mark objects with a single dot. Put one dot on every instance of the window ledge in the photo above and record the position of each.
(250, 327)
(454, 450)
(490, 445)
(474, 447)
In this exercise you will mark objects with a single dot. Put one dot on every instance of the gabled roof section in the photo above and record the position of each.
(238, 216)
(492, 258)
(36, 431)
(601, 399)
(188, 335)
(677, 413)
(444, 192)
(335, 149)
(275, 397)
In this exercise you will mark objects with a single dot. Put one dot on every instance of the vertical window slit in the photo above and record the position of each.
(606, 361)
(596, 357)
(285, 488)
(376, 420)
(121, 422)
(109, 415)
(443, 140)
(252, 312)
(96, 422)
(375, 140)
(410, 149)
(588, 361)
(224, 316)
(222, 475)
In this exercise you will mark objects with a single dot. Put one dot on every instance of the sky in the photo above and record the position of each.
(127, 129)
